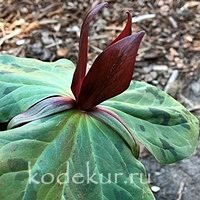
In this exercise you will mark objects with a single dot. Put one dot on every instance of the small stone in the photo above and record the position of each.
(57, 27)
(148, 78)
(46, 54)
(153, 74)
(46, 38)
(20, 42)
(173, 52)
(62, 52)
(147, 69)
(155, 189)
(36, 47)
(73, 29)
(169, 57)
(161, 3)
(106, 12)
(155, 82)
(160, 67)
(24, 10)
(158, 173)
(188, 37)
(164, 10)
(176, 44)
(195, 87)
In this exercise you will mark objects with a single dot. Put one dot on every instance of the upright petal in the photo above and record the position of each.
(111, 73)
(127, 30)
(80, 71)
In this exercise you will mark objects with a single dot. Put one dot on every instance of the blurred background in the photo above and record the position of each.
(168, 58)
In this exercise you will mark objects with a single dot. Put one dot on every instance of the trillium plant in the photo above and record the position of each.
(73, 133)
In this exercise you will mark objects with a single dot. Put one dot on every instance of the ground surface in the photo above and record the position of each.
(168, 58)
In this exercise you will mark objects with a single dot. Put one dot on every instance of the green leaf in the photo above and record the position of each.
(74, 143)
(111, 120)
(26, 81)
(166, 128)
(56, 152)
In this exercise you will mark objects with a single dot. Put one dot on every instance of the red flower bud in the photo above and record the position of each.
(111, 72)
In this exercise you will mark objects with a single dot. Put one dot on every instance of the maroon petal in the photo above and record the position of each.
(44, 108)
(111, 73)
(127, 30)
(80, 71)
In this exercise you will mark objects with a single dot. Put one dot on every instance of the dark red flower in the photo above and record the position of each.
(111, 72)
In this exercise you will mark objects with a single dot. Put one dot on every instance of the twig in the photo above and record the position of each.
(96, 49)
(53, 44)
(48, 21)
(195, 108)
(18, 51)
(171, 80)
(113, 28)
(180, 191)
(11, 35)
(98, 37)
(142, 17)
(185, 100)
(47, 9)
(2, 29)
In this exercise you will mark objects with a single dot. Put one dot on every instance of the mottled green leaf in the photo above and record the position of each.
(85, 149)
(46, 143)
(24, 82)
(166, 128)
